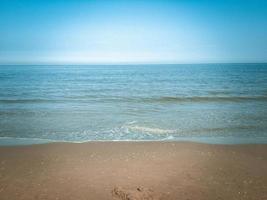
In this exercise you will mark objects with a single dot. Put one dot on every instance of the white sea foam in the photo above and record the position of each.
(150, 130)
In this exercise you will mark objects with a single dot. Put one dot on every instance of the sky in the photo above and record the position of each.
(132, 31)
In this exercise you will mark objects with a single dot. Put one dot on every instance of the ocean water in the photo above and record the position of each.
(217, 103)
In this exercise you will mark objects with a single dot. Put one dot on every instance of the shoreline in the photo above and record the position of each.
(133, 170)
(10, 141)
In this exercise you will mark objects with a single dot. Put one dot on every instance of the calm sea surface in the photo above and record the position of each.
(220, 103)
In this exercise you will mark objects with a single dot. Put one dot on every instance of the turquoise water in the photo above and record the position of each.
(217, 103)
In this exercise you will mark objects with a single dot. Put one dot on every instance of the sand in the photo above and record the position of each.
(133, 170)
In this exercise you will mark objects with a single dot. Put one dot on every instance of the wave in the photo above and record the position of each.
(191, 132)
(164, 99)
(29, 100)
(131, 131)
(203, 99)
(150, 130)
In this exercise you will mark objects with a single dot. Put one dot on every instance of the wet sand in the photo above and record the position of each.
(133, 170)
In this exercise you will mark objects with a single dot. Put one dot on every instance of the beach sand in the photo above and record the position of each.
(133, 170)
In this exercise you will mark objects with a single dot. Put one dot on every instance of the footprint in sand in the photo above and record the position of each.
(138, 193)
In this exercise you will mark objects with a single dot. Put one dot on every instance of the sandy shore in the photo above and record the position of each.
(133, 170)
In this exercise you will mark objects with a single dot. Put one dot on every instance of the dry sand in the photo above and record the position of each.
(133, 170)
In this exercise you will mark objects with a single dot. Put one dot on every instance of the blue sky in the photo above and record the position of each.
(113, 31)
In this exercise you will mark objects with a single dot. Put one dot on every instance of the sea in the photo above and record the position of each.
(210, 103)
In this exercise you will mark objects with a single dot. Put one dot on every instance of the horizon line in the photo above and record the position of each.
(147, 63)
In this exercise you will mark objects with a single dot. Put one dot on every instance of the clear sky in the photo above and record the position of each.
(132, 31)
